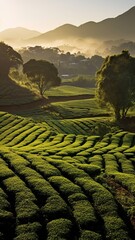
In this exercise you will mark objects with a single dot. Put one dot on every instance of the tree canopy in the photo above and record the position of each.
(67, 63)
(43, 74)
(116, 83)
(8, 58)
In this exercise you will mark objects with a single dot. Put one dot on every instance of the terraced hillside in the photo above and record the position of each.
(11, 93)
(59, 185)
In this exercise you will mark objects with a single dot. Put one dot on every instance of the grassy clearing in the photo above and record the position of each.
(69, 91)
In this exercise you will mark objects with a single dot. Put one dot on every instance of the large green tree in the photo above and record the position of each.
(8, 58)
(43, 74)
(116, 83)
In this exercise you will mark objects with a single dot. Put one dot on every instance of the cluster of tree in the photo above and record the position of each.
(8, 58)
(117, 47)
(115, 78)
(42, 74)
(84, 81)
(66, 63)
(116, 83)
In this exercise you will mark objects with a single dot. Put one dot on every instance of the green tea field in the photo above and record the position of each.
(69, 91)
(67, 120)
(59, 182)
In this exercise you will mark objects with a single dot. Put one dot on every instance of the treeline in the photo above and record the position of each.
(68, 64)
(83, 81)
(116, 83)
(38, 74)
(116, 47)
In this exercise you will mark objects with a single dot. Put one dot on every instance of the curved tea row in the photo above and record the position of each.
(65, 186)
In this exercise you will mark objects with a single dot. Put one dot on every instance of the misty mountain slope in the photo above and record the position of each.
(62, 32)
(89, 38)
(17, 35)
(121, 27)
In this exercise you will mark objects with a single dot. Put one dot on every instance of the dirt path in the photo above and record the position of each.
(42, 102)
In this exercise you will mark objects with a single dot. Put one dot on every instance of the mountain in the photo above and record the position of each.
(120, 27)
(63, 32)
(89, 38)
(17, 36)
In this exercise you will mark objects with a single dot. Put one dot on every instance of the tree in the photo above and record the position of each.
(8, 58)
(43, 74)
(97, 61)
(116, 83)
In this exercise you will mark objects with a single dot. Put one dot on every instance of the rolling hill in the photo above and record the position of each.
(17, 36)
(11, 93)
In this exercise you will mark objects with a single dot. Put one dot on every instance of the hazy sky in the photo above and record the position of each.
(44, 15)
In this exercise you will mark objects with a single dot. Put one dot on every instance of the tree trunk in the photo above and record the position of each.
(124, 112)
(117, 114)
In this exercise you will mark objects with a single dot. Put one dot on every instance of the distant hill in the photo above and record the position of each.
(89, 38)
(63, 32)
(17, 36)
(121, 27)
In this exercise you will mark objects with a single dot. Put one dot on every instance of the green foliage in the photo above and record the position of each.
(44, 74)
(115, 229)
(101, 197)
(76, 197)
(116, 83)
(8, 58)
(111, 166)
(81, 81)
(106, 206)
(79, 108)
(96, 160)
(5, 172)
(26, 209)
(4, 200)
(88, 235)
(14, 184)
(126, 165)
(28, 231)
(67, 91)
(127, 180)
(6, 216)
(65, 186)
(42, 166)
(92, 170)
(28, 236)
(55, 207)
(67, 63)
(69, 170)
(84, 214)
(59, 229)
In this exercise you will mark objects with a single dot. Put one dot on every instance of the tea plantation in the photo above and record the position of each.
(57, 184)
